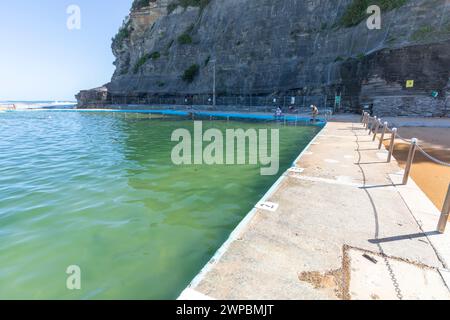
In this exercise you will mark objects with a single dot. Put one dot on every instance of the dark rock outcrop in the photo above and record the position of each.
(97, 96)
(286, 47)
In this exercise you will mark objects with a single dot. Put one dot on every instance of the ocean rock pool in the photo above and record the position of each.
(99, 190)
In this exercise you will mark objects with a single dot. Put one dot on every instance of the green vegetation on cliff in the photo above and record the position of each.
(122, 35)
(185, 39)
(357, 10)
(190, 73)
(143, 60)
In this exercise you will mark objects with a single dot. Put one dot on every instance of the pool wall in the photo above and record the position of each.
(302, 120)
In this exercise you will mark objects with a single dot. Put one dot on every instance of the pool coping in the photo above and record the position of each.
(189, 291)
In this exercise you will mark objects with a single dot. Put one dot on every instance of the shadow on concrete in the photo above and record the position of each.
(405, 237)
(377, 222)
(374, 162)
(380, 186)
(351, 129)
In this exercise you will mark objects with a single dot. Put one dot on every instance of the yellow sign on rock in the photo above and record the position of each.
(410, 83)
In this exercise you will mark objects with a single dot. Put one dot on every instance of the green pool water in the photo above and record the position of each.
(99, 191)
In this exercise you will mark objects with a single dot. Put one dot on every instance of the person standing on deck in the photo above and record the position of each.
(315, 112)
(278, 113)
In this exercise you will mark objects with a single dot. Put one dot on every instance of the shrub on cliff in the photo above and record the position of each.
(190, 73)
(122, 35)
(155, 55)
(185, 39)
(357, 10)
(143, 60)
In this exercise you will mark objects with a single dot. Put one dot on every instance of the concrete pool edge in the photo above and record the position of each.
(189, 293)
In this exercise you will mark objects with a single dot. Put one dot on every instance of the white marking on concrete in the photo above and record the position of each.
(308, 153)
(340, 180)
(296, 170)
(193, 295)
(268, 206)
(346, 181)
(331, 161)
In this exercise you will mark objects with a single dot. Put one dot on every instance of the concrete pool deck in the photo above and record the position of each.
(344, 228)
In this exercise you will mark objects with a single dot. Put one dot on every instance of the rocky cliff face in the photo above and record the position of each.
(292, 47)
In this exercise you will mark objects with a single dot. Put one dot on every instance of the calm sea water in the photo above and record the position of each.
(100, 191)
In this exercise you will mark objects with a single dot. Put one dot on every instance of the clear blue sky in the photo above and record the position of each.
(41, 59)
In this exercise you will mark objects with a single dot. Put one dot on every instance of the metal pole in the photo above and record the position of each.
(377, 127)
(385, 125)
(412, 152)
(391, 146)
(445, 213)
(374, 121)
(214, 85)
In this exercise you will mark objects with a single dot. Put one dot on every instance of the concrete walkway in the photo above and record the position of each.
(343, 229)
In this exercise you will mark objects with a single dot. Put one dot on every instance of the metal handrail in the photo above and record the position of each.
(430, 157)
(375, 125)
(375, 119)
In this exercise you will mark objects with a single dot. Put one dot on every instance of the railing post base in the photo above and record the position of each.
(377, 127)
(385, 126)
(409, 162)
(445, 213)
(392, 145)
(372, 126)
(366, 121)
